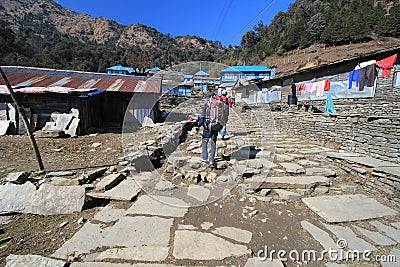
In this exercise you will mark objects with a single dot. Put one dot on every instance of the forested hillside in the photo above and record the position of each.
(328, 22)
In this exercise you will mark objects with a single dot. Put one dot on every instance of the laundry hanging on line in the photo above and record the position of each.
(353, 77)
(320, 87)
(367, 77)
(386, 65)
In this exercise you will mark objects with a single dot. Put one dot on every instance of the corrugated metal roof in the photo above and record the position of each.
(42, 90)
(246, 69)
(22, 77)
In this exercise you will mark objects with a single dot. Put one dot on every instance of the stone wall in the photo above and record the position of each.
(369, 126)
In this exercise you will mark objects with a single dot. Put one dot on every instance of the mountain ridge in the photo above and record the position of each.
(40, 20)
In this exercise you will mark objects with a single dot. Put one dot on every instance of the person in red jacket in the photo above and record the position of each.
(228, 101)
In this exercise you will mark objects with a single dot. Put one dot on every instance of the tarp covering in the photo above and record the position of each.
(273, 95)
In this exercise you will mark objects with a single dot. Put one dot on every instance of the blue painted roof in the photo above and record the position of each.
(154, 69)
(188, 76)
(119, 68)
(201, 73)
(246, 69)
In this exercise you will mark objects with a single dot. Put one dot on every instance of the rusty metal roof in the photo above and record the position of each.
(23, 77)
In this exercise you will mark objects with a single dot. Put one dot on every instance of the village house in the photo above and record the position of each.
(234, 73)
(102, 100)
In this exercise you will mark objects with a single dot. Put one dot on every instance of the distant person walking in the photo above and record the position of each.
(228, 102)
(212, 119)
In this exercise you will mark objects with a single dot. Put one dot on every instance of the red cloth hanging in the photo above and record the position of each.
(327, 85)
(386, 65)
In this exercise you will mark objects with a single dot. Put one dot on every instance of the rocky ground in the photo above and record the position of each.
(269, 190)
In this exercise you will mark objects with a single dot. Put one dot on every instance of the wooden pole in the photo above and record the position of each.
(21, 111)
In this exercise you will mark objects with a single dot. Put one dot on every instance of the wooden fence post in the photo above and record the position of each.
(21, 111)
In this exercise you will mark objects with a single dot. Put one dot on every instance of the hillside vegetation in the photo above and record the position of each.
(327, 22)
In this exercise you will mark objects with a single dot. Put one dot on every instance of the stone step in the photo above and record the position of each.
(126, 190)
(109, 181)
(292, 168)
(287, 182)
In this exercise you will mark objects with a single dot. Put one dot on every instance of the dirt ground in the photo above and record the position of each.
(34, 234)
(276, 226)
(43, 235)
(60, 154)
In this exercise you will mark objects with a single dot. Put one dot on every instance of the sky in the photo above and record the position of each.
(218, 20)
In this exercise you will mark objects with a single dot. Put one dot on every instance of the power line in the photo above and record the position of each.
(222, 17)
(253, 19)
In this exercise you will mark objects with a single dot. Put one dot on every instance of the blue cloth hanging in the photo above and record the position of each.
(329, 107)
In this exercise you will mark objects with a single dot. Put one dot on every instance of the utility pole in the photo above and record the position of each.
(21, 111)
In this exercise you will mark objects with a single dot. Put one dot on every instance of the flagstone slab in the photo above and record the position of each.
(16, 198)
(395, 171)
(347, 208)
(396, 224)
(113, 264)
(109, 214)
(395, 255)
(314, 150)
(283, 158)
(393, 233)
(376, 237)
(186, 227)
(139, 253)
(205, 246)
(321, 172)
(290, 182)
(32, 260)
(139, 231)
(198, 192)
(341, 155)
(333, 264)
(4, 125)
(323, 238)
(110, 181)
(88, 238)
(236, 234)
(292, 168)
(126, 190)
(255, 262)
(52, 200)
(308, 163)
(353, 242)
(159, 206)
(370, 162)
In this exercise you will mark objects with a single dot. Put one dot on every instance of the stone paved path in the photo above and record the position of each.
(269, 169)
